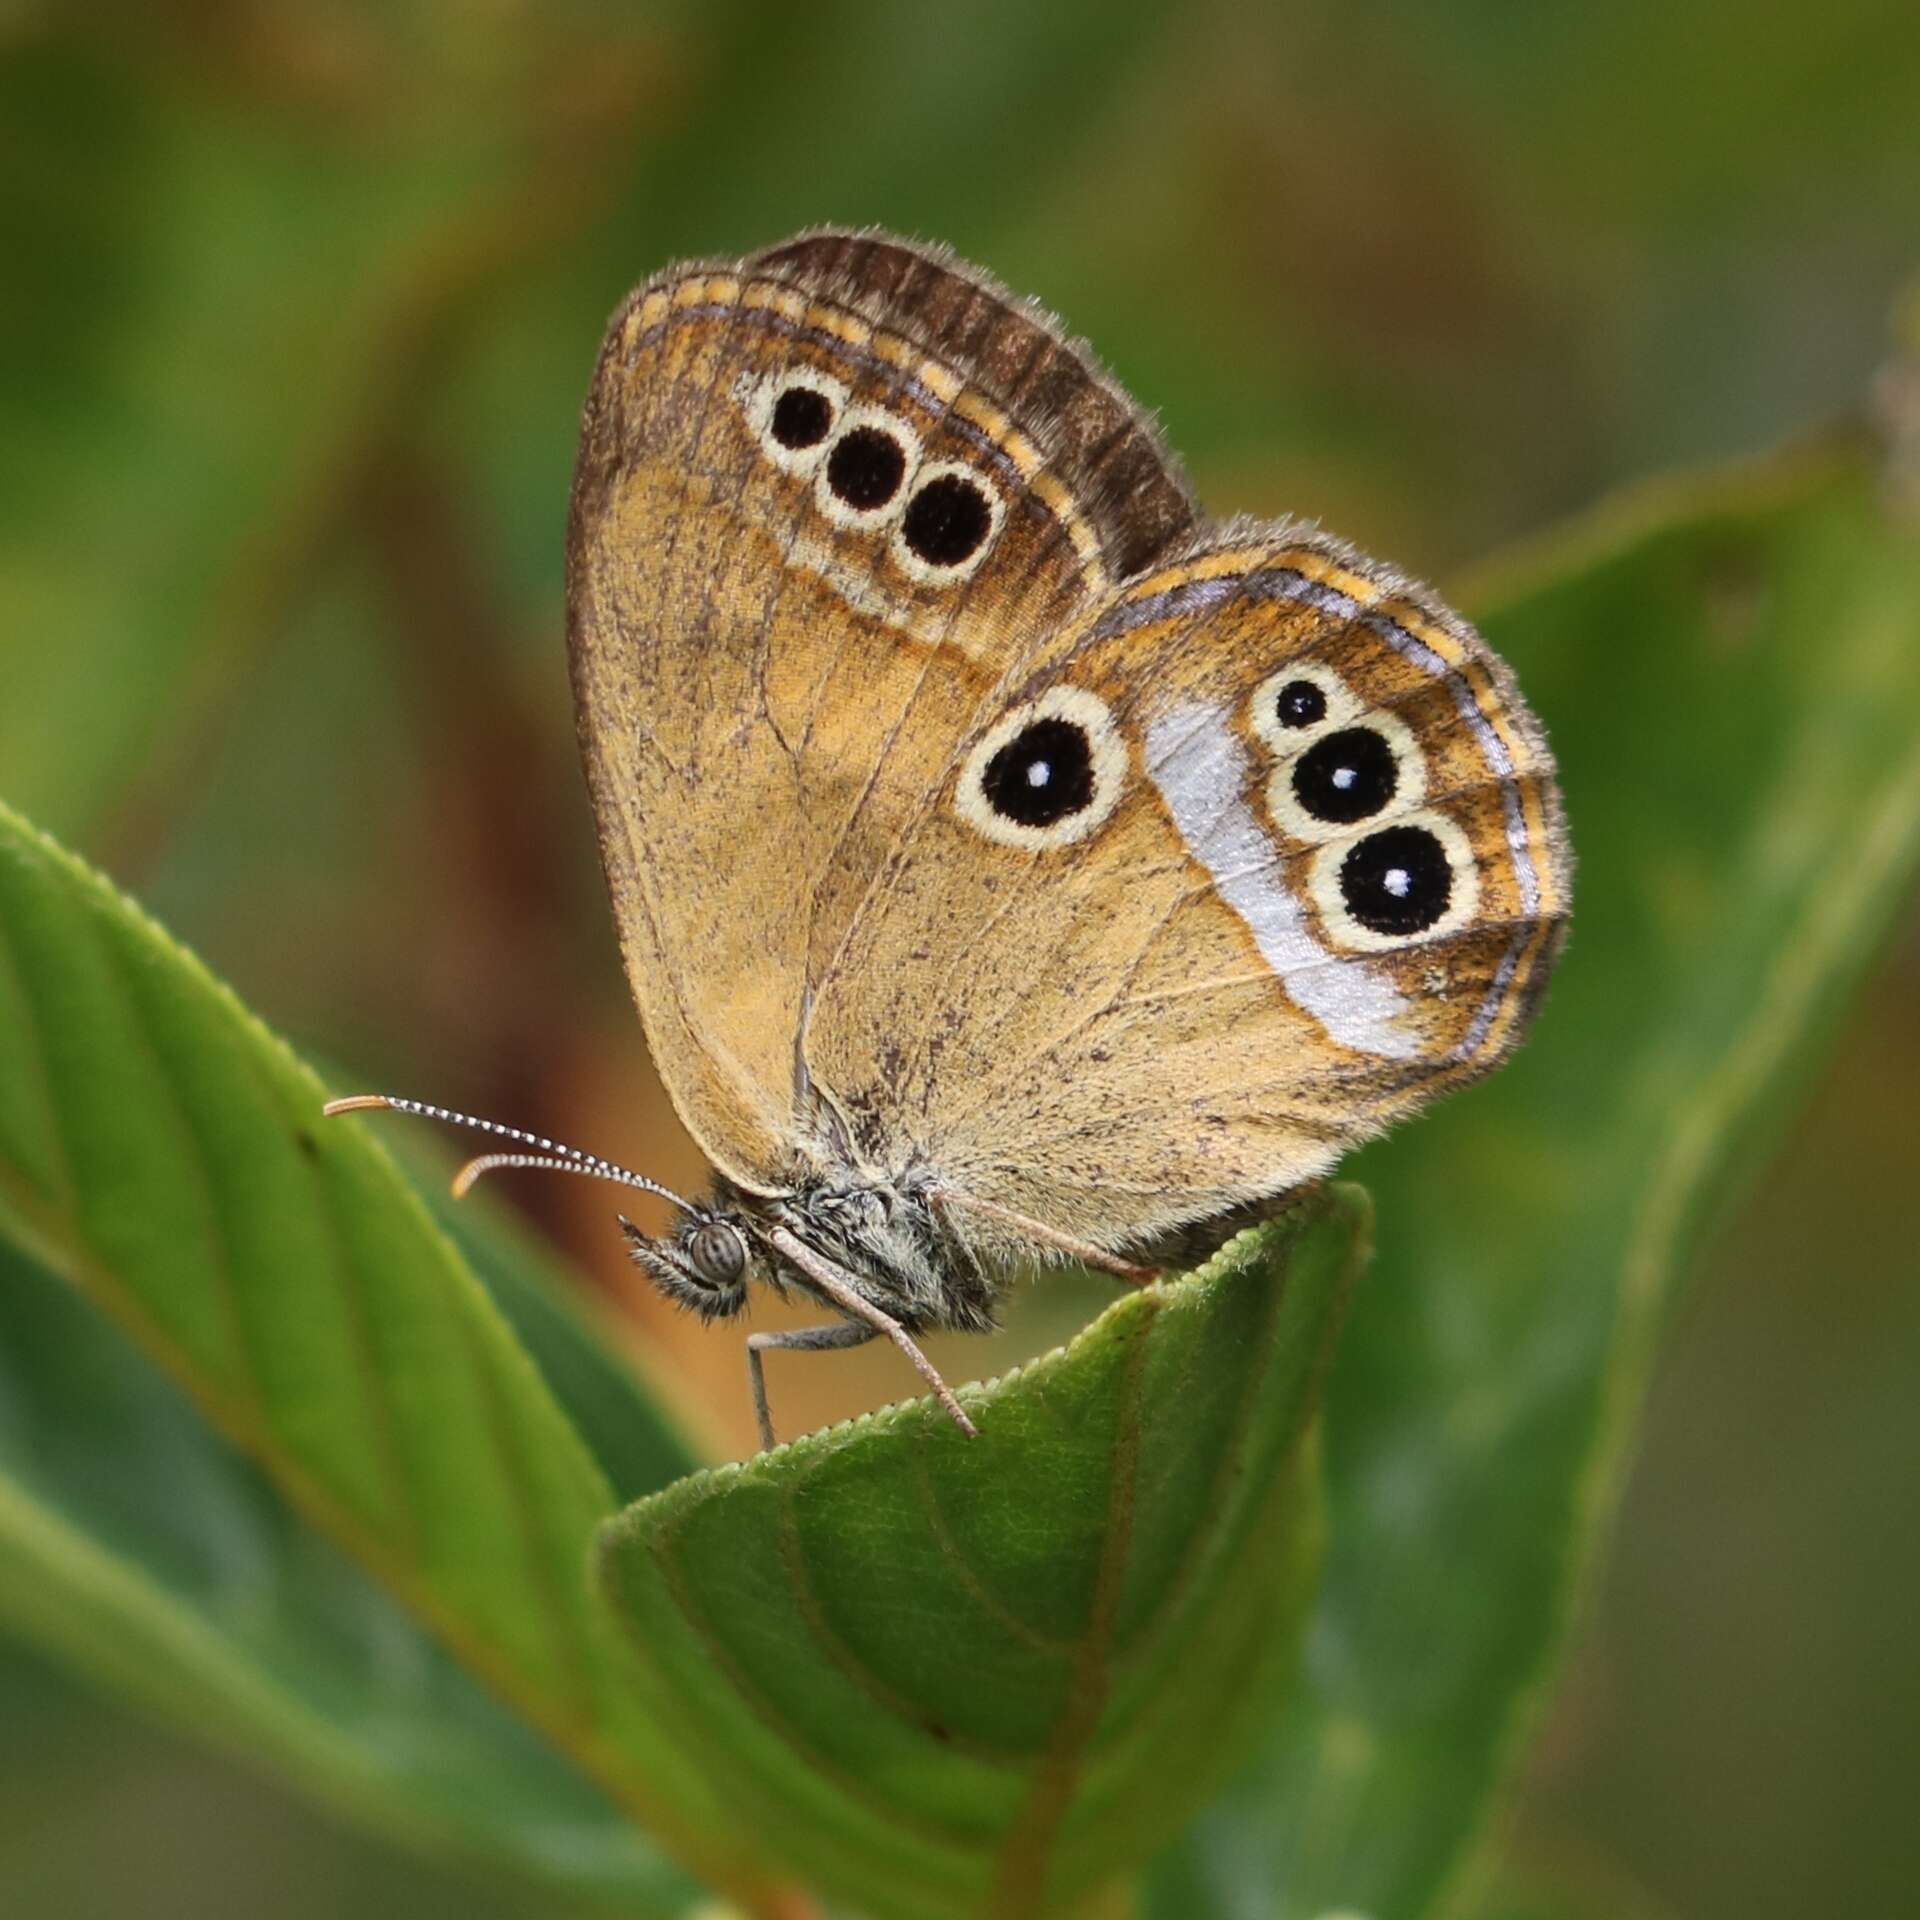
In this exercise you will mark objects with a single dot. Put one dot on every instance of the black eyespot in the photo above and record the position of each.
(1300, 704)
(801, 418)
(1397, 881)
(866, 467)
(946, 520)
(1348, 776)
(1042, 774)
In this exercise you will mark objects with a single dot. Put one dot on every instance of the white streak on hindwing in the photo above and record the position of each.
(1196, 761)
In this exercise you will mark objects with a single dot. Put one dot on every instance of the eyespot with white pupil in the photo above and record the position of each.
(1366, 771)
(1396, 881)
(1043, 775)
(1413, 881)
(1346, 777)
(1047, 775)
(1295, 704)
(1299, 704)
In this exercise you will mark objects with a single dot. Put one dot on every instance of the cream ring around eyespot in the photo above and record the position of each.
(853, 421)
(925, 572)
(1106, 769)
(1409, 784)
(1263, 709)
(1330, 901)
(760, 397)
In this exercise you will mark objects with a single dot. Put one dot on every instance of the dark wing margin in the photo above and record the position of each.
(1095, 439)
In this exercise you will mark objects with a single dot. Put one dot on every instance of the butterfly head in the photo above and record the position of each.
(706, 1264)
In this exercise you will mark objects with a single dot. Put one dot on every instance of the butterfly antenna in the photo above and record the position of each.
(554, 1155)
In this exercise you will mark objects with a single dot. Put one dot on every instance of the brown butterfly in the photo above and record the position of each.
(1008, 862)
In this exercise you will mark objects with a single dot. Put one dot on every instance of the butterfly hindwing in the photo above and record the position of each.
(1323, 880)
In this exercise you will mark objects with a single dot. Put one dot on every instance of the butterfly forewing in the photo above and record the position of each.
(805, 551)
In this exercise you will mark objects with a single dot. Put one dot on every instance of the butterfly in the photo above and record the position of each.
(1009, 863)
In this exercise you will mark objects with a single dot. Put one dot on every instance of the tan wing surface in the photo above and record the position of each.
(1237, 958)
(830, 501)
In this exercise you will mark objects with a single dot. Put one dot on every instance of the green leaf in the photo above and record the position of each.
(162, 1151)
(1023, 1660)
(1731, 674)
(961, 1677)
(143, 1549)
(140, 1547)
(636, 1442)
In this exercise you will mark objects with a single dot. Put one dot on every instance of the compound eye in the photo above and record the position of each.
(717, 1254)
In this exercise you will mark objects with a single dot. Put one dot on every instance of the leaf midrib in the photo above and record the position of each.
(1020, 1874)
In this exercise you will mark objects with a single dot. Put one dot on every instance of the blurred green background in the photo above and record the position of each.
(298, 306)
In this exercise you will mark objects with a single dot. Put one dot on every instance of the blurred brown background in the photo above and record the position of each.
(299, 305)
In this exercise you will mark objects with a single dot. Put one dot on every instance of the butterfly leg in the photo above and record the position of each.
(843, 1333)
(828, 1280)
(1083, 1251)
